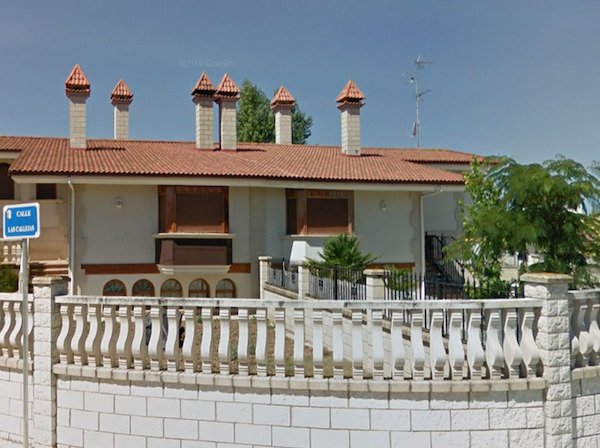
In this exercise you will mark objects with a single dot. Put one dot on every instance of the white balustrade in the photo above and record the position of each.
(11, 329)
(322, 339)
(585, 334)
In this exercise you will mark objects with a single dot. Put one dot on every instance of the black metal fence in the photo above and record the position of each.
(405, 285)
(337, 283)
(282, 276)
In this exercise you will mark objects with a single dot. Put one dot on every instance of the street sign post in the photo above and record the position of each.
(22, 222)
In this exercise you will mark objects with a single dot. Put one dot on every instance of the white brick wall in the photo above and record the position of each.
(586, 412)
(134, 415)
(11, 404)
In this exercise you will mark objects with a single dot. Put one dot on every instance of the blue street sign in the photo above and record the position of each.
(21, 221)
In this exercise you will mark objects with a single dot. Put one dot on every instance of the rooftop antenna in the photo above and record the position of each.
(414, 80)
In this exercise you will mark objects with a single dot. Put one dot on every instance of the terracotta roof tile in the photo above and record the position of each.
(121, 93)
(283, 97)
(40, 155)
(350, 93)
(77, 81)
(227, 87)
(204, 86)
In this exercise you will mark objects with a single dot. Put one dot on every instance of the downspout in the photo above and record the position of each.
(71, 267)
(439, 190)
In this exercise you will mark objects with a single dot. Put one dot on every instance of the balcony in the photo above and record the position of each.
(178, 253)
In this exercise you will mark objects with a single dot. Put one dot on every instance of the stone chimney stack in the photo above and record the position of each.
(121, 97)
(227, 95)
(282, 105)
(203, 97)
(77, 88)
(350, 100)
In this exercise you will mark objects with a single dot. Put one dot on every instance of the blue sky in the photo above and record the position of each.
(508, 77)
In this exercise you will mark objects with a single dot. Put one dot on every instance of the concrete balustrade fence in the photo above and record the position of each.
(119, 371)
(138, 338)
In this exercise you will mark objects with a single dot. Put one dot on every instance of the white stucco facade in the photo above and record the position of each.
(118, 224)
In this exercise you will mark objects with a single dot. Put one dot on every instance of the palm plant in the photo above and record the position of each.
(342, 251)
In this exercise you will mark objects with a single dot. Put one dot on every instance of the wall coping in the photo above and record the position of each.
(546, 278)
(298, 383)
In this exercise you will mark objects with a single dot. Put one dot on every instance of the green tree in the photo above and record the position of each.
(256, 121)
(343, 251)
(544, 206)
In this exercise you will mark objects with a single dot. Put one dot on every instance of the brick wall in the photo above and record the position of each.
(586, 411)
(11, 404)
(129, 414)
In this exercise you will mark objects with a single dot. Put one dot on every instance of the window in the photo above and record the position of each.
(325, 212)
(199, 288)
(142, 288)
(45, 191)
(7, 186)
(114, 288)
(171, 288)
(225, 289)
(193, 209)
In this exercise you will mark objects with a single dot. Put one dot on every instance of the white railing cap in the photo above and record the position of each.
(305, 304)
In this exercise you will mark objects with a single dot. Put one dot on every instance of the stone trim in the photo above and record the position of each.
(296, 383)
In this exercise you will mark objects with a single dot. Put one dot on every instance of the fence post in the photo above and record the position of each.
(554, 343)
(263, 273)
(303, 280)
(46, 326)
(375, 284)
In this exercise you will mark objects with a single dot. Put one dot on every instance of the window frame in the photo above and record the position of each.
(115, 281)
(302, 196)
(167, 207)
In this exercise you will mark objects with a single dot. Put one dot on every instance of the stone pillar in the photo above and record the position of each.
(46, 326)
(303, 281)
(227, 122)
(351, 128)
(375, 284)
(204, 122)
(121, 121)
(263, 274)
(77, 119)
(555, 351)
(283, 124)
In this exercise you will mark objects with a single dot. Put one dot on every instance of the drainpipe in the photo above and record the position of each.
(438, 190)
(71, 267)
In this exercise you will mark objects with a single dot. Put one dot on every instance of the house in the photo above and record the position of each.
(191, 218)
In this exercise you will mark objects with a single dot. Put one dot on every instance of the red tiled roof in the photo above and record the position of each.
(350, 93)
(227, 87)
(77, 81)
(121, 93)
(204, 86)
(47, 156)
(283, 97)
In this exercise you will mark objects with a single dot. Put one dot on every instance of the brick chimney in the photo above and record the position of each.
(282, 105)
(203, 97)
(77, 89)
(350, 100)
(227, 95)
(121, 97)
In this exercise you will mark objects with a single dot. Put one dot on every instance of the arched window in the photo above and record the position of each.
(7, 186)
(225, 289)
(142, 288)
(114, 288)
(171, 288)
(199, 288)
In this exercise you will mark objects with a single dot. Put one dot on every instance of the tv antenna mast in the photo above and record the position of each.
(414, 80)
